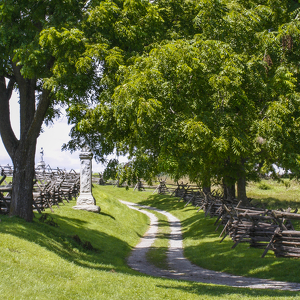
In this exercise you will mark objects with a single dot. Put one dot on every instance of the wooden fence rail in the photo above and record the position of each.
(51, 187)
(260, 228)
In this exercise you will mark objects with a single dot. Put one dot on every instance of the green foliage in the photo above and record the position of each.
(152, 104)
(205, 89)
(45, 55)
(110, 171)
(264, 186)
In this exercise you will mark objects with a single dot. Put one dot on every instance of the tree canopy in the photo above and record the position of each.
(216, 98)
(47, 57)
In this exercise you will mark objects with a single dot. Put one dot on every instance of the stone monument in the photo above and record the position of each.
(41, 164)
(86, 201)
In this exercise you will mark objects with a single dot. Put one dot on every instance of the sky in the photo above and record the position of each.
(51, 139)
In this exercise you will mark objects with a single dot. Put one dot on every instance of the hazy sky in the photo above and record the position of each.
(51, 140)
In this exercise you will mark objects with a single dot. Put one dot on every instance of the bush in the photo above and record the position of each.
(264, 186)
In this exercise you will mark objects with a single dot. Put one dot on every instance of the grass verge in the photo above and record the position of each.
(157, 254)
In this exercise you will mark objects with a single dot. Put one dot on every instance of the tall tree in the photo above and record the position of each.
(45, 57)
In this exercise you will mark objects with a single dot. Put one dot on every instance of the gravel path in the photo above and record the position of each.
(181, 268)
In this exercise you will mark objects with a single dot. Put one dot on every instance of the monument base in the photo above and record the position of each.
(91, 208)
(86, 199)
(87, 202)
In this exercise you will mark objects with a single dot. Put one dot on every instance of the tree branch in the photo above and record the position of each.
(40, 114)
(7, 134)
(42, 107)
(17, 73)
(10, 87)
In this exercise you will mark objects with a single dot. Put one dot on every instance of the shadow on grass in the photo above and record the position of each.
(275, 203)
(47, 237)
(164, 202)
(108, 215)
(225, 292)
(244, 261)
(107, 250)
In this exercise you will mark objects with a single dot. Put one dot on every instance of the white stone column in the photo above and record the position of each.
(86, 200)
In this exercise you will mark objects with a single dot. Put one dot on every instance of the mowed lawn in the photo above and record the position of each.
(72, 254)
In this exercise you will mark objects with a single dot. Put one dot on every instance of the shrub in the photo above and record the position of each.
(264, 186)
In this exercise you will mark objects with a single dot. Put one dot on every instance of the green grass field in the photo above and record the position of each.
(275, 194)
(43, 261)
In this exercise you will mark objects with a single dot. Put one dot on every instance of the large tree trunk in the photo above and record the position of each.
(229, 191)
(241, 191)
(228, 181)
(22, 151)
(206, 186)
(207, 189)
(241, 185)
(23, 176)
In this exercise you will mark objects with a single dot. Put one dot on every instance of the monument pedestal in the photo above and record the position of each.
(91, 208)
(41, 166)
(86, 201)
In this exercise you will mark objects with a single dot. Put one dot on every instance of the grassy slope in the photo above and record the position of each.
(39, 261)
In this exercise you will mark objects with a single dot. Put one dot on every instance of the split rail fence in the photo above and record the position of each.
(50, 188)
(260, 228)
